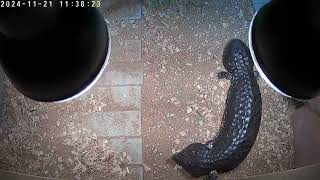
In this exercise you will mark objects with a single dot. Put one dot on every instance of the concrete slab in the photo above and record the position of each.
(122, 9)
(119, 98)
(131, 145)
(129, 50)
(120, 123)
(122, 73)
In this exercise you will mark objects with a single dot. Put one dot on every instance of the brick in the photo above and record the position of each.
(122, 9)
(133, 146)
(122, 73)
(126, 123)
(119, 98)
(129, 50)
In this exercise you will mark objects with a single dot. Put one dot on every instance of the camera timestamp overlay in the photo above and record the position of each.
(49, 4)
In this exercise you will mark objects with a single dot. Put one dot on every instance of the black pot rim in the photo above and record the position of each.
(256, 63)
(92, 83)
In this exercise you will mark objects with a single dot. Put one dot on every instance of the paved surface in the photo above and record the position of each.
(159, 94)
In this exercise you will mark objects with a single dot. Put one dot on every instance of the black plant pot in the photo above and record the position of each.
(284, 40)
(53, 54)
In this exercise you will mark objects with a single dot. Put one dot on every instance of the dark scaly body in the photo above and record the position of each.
(241, 119)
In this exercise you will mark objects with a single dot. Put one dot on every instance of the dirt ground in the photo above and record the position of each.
(183, 101)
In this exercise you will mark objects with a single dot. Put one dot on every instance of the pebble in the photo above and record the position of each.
(208, 133)
(146, 167)
(173, 151)
(189, 110)
(221, 84)
(224, 25)
(212, 75)
(10, 137)
(176, 167)
(177, 141)
(200, 123)
(268, 161)
(182, 133)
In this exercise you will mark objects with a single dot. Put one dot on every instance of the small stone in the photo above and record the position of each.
(60, 159)
(58, 123)
(173, 151)
(212, 74)
(129, 158)
(146, 167)
(200, 123)
(10, 137)
(208, 133)
(117, 169)
(221, 84)
(189, 110)
(279, 156)
(240, 14)
(268, 161)
(60, 167)
(224, 25)
(177, 167)
(182, 133)
(176, 103)
(177, 141)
